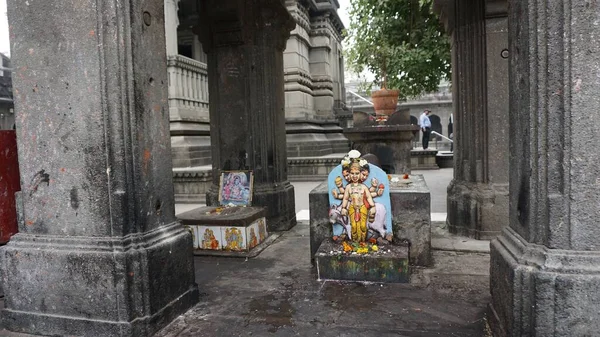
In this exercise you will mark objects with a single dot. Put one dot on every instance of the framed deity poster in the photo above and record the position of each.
(235, 188)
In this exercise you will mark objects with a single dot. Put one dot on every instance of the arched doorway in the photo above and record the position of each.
(436, 125)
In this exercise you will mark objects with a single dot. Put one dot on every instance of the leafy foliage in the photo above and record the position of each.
(402, 42)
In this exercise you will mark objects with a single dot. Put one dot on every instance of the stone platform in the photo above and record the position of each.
(423, 159)
(227, 231)
(390, 264)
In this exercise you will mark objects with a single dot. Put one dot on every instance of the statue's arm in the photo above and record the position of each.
(369, 197)
(345, 199)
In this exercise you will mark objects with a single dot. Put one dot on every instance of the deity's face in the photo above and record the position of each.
(346, 174)
(338, 182)
(355, 175)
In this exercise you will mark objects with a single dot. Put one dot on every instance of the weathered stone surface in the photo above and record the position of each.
(314, 138)
(541, 291)
(411, 218)
(545, 274)
(474, 210)
(244, 41)
(423, 159)
(477, 199)
(320, 227)
(389, 264)
(99, 250)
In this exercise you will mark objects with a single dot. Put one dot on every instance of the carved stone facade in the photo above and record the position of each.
(314, 80)
(314, 90)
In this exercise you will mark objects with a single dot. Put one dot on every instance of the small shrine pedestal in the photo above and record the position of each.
(227, 231)
(411, 218)
(389, 264)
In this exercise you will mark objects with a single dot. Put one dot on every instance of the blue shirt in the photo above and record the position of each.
(424, 121)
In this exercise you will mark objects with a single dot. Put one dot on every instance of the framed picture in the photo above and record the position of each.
(235, 188)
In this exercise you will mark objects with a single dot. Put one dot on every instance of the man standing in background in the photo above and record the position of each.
(425, 125)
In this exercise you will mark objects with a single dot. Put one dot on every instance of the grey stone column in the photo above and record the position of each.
(171, 24)
(545, 268)
(478, 194)
(99, 251)
(244, 41)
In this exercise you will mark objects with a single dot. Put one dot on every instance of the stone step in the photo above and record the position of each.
(390, 264)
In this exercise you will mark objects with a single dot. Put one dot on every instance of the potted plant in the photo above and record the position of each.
(384, 100)
(401, 44)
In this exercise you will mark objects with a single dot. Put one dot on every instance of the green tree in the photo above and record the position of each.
(401, 42)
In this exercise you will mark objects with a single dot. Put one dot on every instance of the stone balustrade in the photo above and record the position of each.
(188, 83)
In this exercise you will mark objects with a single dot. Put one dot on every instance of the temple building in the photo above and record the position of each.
(7, 117)
(314, 92)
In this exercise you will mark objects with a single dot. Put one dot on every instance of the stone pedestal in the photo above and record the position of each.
(545, 268)
(232, 231)
(99, 251)
(390, 143)
(478, 194)
(411, 218)
(390, 264)
(244, 41)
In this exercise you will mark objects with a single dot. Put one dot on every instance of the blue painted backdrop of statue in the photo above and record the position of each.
(359, 201)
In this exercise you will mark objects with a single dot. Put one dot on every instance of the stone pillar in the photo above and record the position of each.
(545, 268)
(478, 194)
(320, 66)
(171, 24)
(99, 251)
(244, 41)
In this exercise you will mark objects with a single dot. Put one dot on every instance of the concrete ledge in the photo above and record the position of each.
(423, 159)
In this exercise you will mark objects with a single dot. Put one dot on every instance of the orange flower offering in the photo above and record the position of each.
(373, 240)
(389, 177)
(405, 176)
(347, 247)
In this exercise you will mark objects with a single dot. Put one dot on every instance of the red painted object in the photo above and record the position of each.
(9, 184)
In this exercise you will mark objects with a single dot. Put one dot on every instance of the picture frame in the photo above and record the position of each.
(236, 187)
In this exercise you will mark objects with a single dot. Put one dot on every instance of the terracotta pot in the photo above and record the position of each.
(385, 101)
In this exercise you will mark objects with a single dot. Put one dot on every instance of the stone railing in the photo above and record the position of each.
(188, 83)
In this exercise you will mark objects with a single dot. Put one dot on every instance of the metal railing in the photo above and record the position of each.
(440, 135)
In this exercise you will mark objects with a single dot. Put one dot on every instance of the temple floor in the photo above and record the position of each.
(277, 294)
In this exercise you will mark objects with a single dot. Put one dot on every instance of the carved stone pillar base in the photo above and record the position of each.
(475, 209)
(102, 286)
(542, 292)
